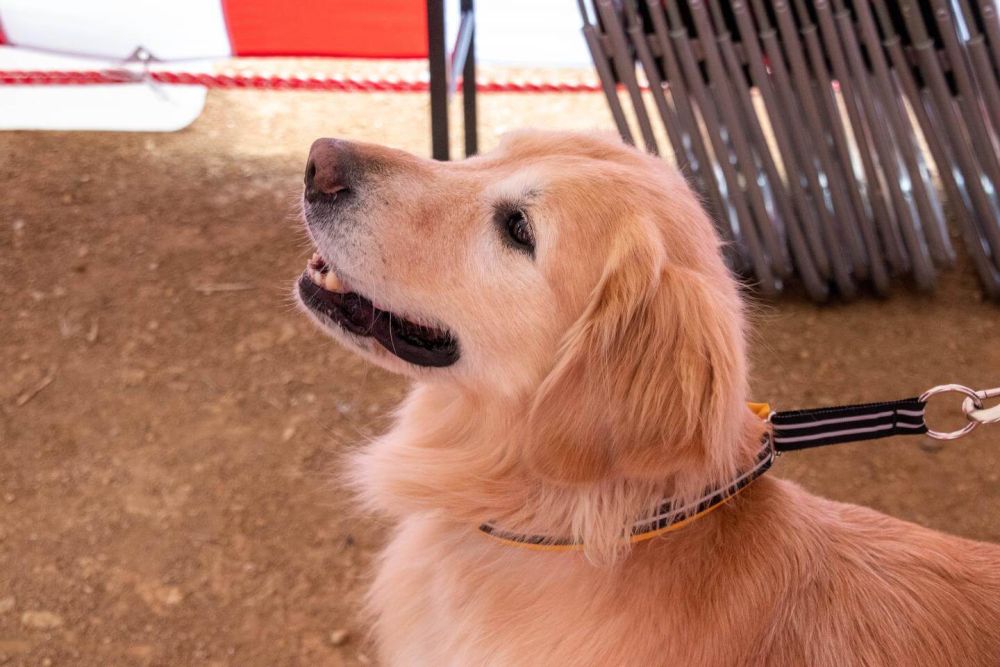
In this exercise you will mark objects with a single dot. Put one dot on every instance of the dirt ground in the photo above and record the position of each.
(170, 427)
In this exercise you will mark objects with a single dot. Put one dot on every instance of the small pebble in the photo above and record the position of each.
(340, 637)
(41, 620)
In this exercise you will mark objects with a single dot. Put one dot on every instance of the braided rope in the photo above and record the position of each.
(272, 82)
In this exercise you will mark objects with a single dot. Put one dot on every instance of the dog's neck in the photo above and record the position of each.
(458, 456)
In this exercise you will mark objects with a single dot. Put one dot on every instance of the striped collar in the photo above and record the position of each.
(668, 517)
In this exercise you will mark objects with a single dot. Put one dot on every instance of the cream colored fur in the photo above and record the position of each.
(596, 379)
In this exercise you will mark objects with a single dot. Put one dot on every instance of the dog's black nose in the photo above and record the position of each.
(325, 172)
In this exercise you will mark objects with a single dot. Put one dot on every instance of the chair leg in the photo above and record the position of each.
(437, 57)
(469, 86)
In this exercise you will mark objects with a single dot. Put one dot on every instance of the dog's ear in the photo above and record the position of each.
(650, 379)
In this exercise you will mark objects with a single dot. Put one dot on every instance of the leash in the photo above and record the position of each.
(802, 429)
(791, 431)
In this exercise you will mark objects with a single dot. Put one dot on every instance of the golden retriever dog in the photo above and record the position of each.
(577, 350)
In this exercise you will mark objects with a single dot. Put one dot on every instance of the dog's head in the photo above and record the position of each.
(565, 273)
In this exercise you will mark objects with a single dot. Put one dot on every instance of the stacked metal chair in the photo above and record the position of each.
(818, 133)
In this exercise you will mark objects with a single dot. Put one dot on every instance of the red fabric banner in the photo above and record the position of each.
(343, 28)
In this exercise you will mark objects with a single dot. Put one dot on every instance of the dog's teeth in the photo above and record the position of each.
(331, 282)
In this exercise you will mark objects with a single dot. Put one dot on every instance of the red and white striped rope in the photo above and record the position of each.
(272, 82)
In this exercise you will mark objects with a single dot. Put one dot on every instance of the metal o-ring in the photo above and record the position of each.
(959, 389)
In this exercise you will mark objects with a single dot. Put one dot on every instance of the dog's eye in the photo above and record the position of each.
(520, 232)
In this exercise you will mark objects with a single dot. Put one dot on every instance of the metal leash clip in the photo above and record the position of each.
(978, 413)
(972, 407)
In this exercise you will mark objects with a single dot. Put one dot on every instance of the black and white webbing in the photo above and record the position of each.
(801, 429)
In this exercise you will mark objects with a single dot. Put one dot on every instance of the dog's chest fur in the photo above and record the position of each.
(800, 589)
(447, 598)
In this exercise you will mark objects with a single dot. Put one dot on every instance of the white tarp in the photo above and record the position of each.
(526, 33)
(171, 29)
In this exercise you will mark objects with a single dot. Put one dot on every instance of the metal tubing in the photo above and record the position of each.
(982, 68)
(962, 202)
(846, 215)
(950, 122)
(840, 151)
(748, 233)
(968, 100)
(608, 83)
(870, 183)
(733, 252)
(844, 221)
(881, 138)
(853, 198)
(808, 148)
(460, 52)
(801, 255)
(438, 62)
(926, 228)
(931, 132)
(776, 190)
(469, 101)
(745, 160)
(667, 116)
(898, 128)
(991, 23)
(625, 67)
(702, 166)
(986, 79)
(850, 89)
(808, 216)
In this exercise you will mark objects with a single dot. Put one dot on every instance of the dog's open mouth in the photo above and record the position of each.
(323, 292)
